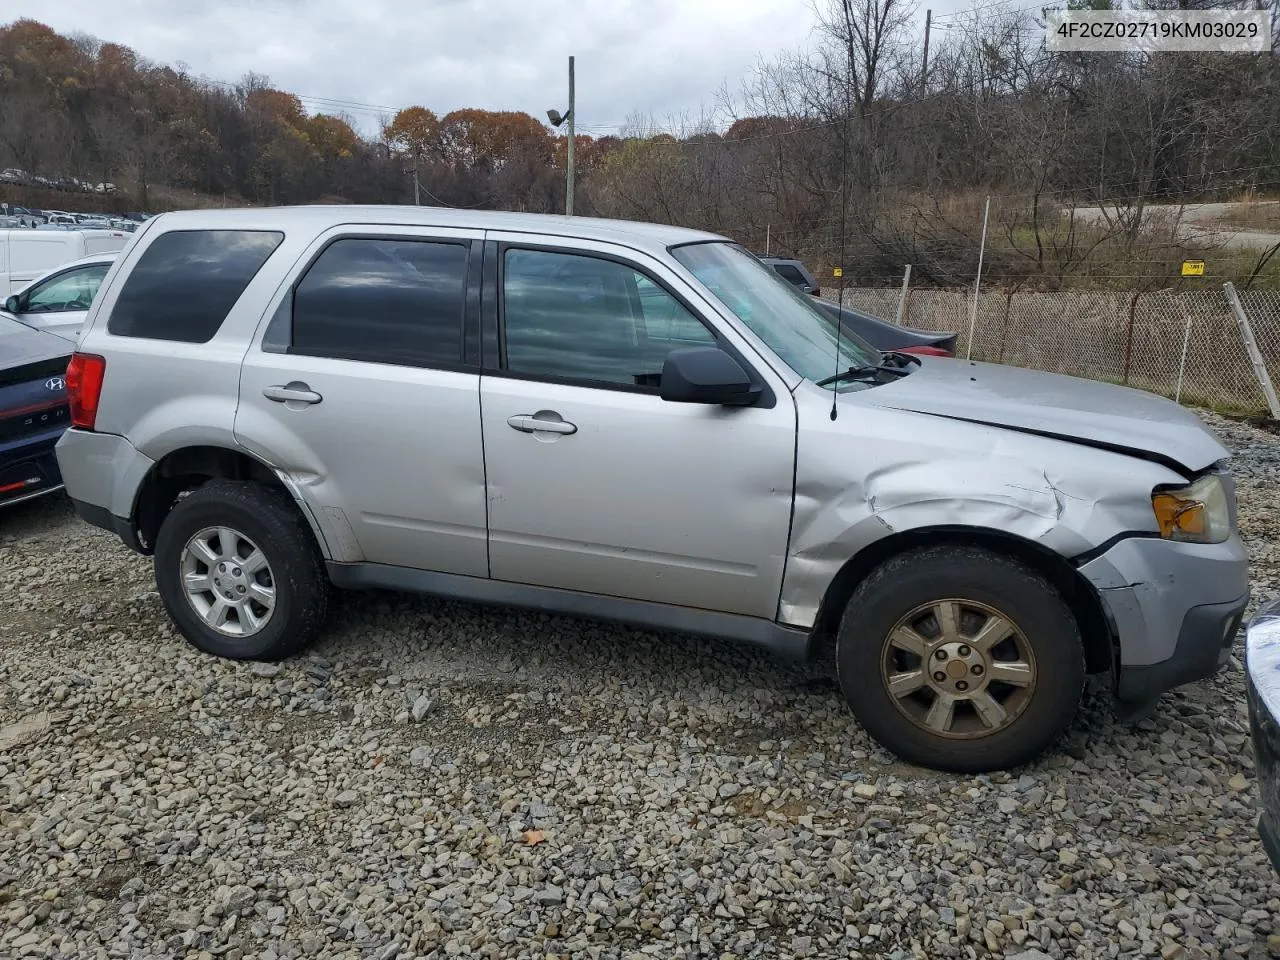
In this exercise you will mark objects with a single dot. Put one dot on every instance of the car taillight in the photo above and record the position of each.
(926, 351)
(84, 385)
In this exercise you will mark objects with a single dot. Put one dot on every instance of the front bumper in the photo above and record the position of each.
(1175, 608)
(1262, 662)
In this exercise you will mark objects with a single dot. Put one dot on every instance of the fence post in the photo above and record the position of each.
(1251, 347)
(1182, 364)
(1004, 329)
(902, 300)
(1128, 340)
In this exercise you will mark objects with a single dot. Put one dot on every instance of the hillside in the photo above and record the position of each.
(910, 159)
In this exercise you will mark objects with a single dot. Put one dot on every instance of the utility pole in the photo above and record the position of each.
(924, 72)
(416, 201)
(568, 196)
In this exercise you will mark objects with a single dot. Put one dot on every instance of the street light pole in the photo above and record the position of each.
(568, 196)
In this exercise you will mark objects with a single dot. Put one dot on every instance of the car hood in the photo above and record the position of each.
(65, 325)
(1068, 408)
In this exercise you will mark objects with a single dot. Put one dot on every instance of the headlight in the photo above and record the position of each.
(1198, 513)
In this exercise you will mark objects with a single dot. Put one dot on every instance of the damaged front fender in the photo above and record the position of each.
(873, 473)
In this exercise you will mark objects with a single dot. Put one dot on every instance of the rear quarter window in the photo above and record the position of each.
(186, 282)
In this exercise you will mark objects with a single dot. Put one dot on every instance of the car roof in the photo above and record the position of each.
(317, 218)
(106, 257)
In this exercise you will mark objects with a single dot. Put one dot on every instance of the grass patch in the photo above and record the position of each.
(1258, 215)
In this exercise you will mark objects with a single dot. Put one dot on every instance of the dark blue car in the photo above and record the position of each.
(33, 409)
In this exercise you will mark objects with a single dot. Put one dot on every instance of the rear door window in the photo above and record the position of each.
(186, 282)
(383, 300)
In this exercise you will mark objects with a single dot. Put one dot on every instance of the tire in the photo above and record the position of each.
(294, 580)
(1035, 676)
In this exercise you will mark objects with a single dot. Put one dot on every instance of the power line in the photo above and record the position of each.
(997, 4)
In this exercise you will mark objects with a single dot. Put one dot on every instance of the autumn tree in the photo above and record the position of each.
(415, 133)
(485, 139)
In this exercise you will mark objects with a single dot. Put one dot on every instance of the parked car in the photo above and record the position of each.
(27, 255)
(13, 175)
(639, 422)
(795, 273)
(881, 334)
(58, 301)
(884, 335)
(1262, 671)
(33, 410)
(23, 216)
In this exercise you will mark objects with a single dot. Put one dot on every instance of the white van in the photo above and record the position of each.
(27, 254)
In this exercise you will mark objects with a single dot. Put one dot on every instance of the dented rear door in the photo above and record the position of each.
(364, 391)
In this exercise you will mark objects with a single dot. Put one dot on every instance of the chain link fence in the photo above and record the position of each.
(1133, 338)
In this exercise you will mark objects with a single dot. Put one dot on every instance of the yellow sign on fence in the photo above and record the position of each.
(837, 271)
(1193, 268)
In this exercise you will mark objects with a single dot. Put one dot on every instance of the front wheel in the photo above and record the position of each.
(960, 659)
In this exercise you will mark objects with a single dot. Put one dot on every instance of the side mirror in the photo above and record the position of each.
(13, 304)
(706, 375)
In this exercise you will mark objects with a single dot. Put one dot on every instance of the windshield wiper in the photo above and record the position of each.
(862, 373)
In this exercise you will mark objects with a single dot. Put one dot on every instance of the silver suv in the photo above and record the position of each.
(645, 424)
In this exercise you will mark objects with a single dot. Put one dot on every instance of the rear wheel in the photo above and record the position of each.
(961, 659)
(239, 572)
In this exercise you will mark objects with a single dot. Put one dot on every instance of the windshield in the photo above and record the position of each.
(797, 331)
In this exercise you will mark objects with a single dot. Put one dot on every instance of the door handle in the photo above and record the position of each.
(294, 390)
(541, 422)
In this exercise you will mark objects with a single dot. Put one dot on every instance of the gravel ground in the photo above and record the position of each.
(437, 779)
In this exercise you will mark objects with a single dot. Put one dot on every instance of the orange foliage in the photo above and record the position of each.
(332, 136)
(415, 130)
(474, 138)
(587, 152)
(276, 105)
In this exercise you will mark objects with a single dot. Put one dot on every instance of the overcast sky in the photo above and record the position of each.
(659, 57)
